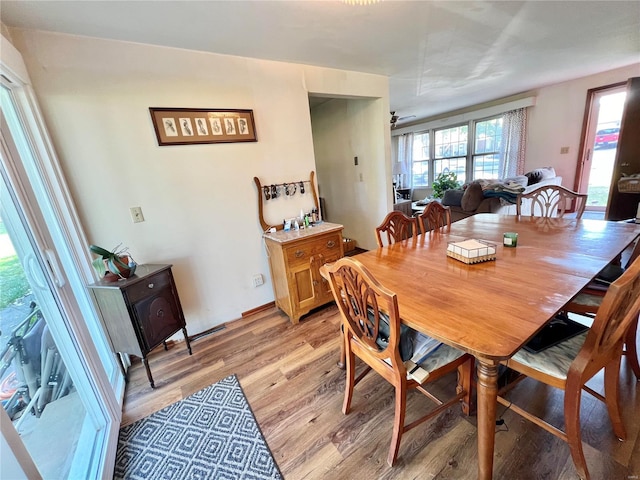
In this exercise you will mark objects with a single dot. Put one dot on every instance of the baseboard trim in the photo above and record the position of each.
(259, 309)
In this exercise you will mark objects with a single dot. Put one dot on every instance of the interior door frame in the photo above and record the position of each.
(588, 135)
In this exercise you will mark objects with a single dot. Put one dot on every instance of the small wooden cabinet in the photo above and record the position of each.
(141, 312)
(295, 258)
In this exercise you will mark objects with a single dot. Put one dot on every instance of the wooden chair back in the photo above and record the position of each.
(362, 301)
(396, 227)
(553, 201)
(617, 312)
(435, 216)
(364, 305)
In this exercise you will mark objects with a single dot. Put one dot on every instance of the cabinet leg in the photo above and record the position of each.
(122, 369)
(186, 339)
(146, 366)
(164, 342)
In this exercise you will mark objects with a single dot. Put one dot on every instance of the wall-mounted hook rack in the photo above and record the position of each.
(267, 192)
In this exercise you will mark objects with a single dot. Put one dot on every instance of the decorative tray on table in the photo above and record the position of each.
(472, 251)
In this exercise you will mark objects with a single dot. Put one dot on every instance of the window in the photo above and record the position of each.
(420, 168)
(480, 154)
(451, 151)
(486, 148)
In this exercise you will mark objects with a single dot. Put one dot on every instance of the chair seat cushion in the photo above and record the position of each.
(588, 300)
(440, 357)
(554, 361)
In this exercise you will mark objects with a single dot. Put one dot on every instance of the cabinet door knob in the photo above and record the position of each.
(299, 253)
(331, 244)
(151, 285)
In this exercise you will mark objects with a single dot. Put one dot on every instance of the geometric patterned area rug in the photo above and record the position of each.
(211, 434)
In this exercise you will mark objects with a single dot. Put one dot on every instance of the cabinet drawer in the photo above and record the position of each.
(147, 287)
(302, 252)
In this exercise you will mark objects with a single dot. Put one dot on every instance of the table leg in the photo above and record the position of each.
(487, 395)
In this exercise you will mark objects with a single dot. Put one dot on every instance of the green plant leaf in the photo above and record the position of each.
(100, 251)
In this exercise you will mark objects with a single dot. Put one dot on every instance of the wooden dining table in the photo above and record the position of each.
(492, 309)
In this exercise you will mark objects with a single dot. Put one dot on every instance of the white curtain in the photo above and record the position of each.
(514, 129)
(402, 164)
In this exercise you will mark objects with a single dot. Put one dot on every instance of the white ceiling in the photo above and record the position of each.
(439, 55)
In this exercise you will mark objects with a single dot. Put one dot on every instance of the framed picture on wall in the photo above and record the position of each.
(186, 126)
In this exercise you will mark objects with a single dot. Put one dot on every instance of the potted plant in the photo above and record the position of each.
(113, 265)
(444, 181)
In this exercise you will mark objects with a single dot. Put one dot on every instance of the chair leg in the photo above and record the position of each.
(631, 348)
(611, 396)
(465, 375)
(398, 422)
(350, 377)
(572, 426)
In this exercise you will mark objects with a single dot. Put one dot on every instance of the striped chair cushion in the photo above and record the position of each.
(554, 361)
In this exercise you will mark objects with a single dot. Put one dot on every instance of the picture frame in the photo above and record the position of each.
(187, 126)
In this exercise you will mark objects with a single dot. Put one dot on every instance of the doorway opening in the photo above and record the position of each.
(604, 114)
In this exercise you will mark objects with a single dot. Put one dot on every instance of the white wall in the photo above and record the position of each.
(199, 201)
(557, 118)
(354, 194)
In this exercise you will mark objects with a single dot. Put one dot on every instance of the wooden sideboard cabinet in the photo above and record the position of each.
(295, 258)
(141, 312)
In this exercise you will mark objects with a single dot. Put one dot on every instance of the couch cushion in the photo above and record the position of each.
(472, 197)
(452, 198)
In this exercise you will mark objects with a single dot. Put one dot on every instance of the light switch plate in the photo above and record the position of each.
(136, 214)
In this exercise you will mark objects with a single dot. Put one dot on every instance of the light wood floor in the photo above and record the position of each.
(295, 389)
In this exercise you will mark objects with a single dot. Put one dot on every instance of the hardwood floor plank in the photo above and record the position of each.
(289, 375)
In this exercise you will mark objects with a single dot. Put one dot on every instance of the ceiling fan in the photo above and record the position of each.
(397, 118)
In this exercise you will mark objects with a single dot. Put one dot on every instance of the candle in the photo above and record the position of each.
(510, 239)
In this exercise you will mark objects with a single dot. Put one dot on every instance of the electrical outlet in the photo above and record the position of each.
(258, 280)
(564, 150)
(136, 214)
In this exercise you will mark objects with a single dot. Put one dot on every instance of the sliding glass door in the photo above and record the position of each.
(60, 385)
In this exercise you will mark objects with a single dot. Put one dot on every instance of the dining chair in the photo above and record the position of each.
(588, 301)
(373, 333)
(435, 216)
(397, 226)
(552, 201)
(570, 364)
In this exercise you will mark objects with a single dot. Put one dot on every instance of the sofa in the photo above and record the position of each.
(497, 196)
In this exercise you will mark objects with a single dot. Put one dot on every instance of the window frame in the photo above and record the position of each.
(469, 157)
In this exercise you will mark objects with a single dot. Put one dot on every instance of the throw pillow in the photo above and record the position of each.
(472, 197)
(539, 174)
(452, 198)
(534, 176)
(547, 172)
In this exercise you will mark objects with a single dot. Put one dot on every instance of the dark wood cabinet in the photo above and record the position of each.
(622, 205)
(139, 313)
